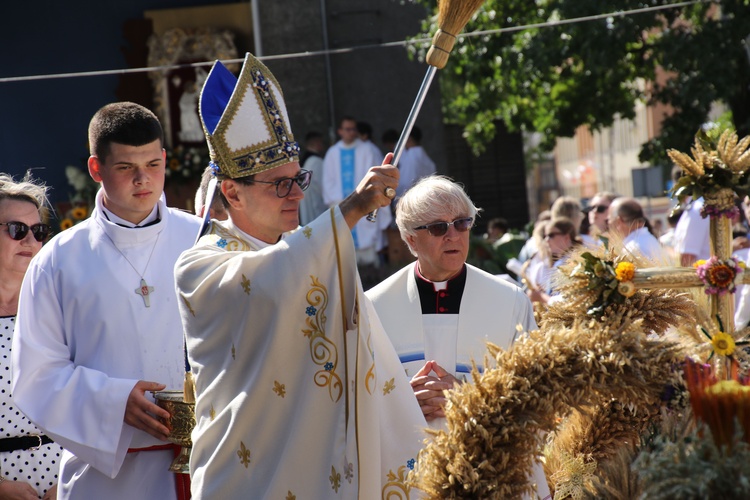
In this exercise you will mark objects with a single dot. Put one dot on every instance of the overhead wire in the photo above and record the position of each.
(347, 50)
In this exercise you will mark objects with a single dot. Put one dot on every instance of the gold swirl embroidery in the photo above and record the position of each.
(230, 241)
(370, 381)
(323, 352)
(397, 486)
(245, 284)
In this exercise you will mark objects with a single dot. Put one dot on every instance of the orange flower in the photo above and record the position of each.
(66, 224)
(721, 275)
(79, 213)
(625, 271)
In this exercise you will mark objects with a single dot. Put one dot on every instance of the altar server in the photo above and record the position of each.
(98, 325)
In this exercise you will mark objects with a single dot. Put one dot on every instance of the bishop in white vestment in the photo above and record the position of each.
(299, 392)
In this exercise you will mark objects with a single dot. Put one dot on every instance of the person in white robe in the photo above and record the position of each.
(440, 312)
(345, 164)
(98, 325)
(414, 163)
(299, 393)
(627, 221)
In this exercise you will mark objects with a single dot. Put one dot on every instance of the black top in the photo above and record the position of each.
(446, 301)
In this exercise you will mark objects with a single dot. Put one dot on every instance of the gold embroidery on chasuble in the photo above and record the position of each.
(244, 454)
(397, 487)
(290, 496)
(212, 413)
(245, 285)
(323, 352)
(187, 304)
(223, 238)
(348, 470)
(279, 389)
(389, 386)
(370, 381)
(335, 479)
(307, 232)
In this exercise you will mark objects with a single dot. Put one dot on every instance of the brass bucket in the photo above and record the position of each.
(180, 425)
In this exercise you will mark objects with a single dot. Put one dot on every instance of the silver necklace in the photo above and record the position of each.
(144, 290)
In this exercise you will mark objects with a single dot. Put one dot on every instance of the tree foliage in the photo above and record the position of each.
(553, 79)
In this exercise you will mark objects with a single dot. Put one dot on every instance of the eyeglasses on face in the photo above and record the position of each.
(549, 236)
(284, 186)
(600, 209)
(19, 230)
(440, 228)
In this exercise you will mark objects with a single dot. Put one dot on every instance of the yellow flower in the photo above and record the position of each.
(66, 224)
(79, 213)
(699, 262)
(626, 288)
(625, 271)
(723, 344)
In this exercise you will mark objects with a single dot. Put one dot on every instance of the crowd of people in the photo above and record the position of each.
(307, 383)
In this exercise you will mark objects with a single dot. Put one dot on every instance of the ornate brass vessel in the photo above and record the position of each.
(180, 425)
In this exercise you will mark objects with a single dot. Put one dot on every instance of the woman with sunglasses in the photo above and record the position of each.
(440, 311)
(559, 237)
(29, 461)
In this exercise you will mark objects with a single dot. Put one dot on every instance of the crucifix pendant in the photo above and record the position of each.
(145, 291)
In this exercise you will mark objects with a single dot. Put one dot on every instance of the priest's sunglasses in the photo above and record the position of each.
(19, 230)
(440, 228)
(284, 186)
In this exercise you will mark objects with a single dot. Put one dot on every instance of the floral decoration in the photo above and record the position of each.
(722, 343)
(715, 166)
(612, 281)
(186, 163)
(720, 276)
(80, 202)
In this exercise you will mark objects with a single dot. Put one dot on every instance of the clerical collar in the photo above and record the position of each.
(150, 220)
(443, 297)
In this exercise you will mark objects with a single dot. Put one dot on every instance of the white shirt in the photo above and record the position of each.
(691, 233)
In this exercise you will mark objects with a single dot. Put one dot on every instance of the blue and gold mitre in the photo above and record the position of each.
(245, 120)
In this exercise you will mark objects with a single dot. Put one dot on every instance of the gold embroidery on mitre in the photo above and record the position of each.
(324, 352)
(245, 284)
(397, 486)
(307, 232)
(389, 386)
(279, 388)
(258, 93)
(244, 454)
(335, 479)
(187, 304)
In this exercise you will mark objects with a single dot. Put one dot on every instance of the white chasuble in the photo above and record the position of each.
(299, 392)
(84, 337)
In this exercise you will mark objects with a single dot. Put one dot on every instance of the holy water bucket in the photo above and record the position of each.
(180, 424)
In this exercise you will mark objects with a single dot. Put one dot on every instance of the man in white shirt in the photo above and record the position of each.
(626, 219)
(98, 325)
(440, 311)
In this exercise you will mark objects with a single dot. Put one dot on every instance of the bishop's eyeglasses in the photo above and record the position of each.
(284, 186)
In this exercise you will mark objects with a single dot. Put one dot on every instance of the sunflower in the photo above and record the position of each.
(625, 271)
(723, 344)
(79, 213)
(66, 223)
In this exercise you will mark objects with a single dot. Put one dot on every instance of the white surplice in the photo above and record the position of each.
(299, 391)
(84, 337)
(492, 310)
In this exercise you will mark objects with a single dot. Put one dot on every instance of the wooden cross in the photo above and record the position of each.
(720, 233)
(145, 291)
